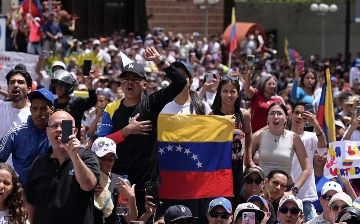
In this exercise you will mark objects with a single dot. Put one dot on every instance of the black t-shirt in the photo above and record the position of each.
(65, 29)
(54, 190)
(76, 108)
(272, 46)
(138, 154)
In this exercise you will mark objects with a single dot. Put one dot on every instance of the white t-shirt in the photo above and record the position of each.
(355, 136)
(308, 191)
(174, 108)
(318, 220)
(11, 117)
(90, 117)
(354, 74)
(4, 219)
(210, 97)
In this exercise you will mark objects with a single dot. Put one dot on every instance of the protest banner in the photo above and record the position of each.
(344, 158)
(9, 59)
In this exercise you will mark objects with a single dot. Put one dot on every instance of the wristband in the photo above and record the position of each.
(319, 134)
(117, 137)
(161, 63)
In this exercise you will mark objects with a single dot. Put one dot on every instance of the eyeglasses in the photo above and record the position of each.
(293, 211)
(250, 180)
(227, 78)
(278, 113)
(271, 84)
(326, 197)
(335, 207)
(223, 215)
(55, 126)
(184, 221)
(136, 81)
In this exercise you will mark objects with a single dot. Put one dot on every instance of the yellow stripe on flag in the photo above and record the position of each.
(329, 109)
(233, 17)
(286, 51)
(83, 94)
(195, 128)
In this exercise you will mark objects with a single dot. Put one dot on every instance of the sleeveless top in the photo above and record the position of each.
(276, 152)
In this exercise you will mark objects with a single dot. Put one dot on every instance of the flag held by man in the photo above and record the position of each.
(233, 38)
(195, 156)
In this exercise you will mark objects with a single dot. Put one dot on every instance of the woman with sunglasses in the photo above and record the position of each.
(261, 97)
(305, 90)
(227, 102)
(277, 146)
(339, 202)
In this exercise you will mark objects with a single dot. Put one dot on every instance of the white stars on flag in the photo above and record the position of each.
(181, 149)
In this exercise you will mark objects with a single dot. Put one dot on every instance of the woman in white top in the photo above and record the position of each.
(188, 101)
(277, 145)
(12, 199)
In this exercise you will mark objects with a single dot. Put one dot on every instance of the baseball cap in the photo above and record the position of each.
(261, 199)
(44, 93)
(357, 62)
(95, 42)
(334, 79)
(250, 170)
(135, 68)
(177, 212)
(339, 123)
(103, 146)
(331, 185)
(225, 203)
(20, 67)
(292, 198)
(37, 19)
(164, 84)
(248, 207)
(351, 100)
(185, 66)
(341, 196)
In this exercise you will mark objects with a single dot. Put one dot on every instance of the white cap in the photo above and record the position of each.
(112, 48)
(96, 42)
(37, 19)
(340, 124)
(292, 198)
(164, 84)
(248, 207)
(148, 69)
(81, 87)
(103, 146)
(58, 63)
(331, 185)
(341, 196)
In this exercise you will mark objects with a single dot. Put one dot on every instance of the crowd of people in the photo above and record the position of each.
(279, 149)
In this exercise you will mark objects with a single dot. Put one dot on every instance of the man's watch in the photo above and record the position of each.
(295, 189)
(161, 63)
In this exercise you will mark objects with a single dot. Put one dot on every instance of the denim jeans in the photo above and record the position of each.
(34, 48)
(309, 211)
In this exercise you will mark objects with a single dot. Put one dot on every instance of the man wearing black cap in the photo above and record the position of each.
(132, 123)
(179, 214)
(28, 141)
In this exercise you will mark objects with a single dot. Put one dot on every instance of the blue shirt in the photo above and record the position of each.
(51, 27)
(297, 94)
(320, 181)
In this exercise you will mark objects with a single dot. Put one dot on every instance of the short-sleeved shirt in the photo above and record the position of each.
(259, 105)
(54, 190)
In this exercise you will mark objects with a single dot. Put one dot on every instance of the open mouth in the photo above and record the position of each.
(288, 221)
(57, 137)
(130, 89)
(275, 122)
(16, 92)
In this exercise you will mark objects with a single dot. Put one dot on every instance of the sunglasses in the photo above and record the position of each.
(184, 221)
(293, 211)
(136, 81)
(223, 215)
(250, 180)
(227, 78)
(326, 197)
(335, 207)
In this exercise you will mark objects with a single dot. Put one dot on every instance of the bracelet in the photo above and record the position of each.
(161, 63)
(318, 135)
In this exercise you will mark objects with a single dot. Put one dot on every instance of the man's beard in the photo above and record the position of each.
(17, 99)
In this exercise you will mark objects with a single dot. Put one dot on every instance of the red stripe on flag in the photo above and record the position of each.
(191, 185)
(321, 116)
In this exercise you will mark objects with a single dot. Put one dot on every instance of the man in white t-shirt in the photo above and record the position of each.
(354, 74)
(16, 112)
(312, 141)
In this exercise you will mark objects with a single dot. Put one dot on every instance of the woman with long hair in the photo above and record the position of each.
(188, 101)
(20, 35)
(227, 102)
(260, 98)
(277, 146)
(305, 90)
(67, 26)
(12, 199)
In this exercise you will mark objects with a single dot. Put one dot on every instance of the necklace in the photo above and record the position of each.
(277, 138)
(182, 107)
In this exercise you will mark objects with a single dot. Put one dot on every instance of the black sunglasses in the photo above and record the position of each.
(223, 215)
(226, 78)
(250, 180)
(293, 211)
(184, 221)
(326, 197)
(335, 207)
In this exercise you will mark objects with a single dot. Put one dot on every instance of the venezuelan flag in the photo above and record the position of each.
(325, 115)
(233, 38)
(291, 54)
(195, 156)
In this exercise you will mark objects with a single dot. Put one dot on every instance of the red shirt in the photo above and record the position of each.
(259, 105)
(35, 33)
